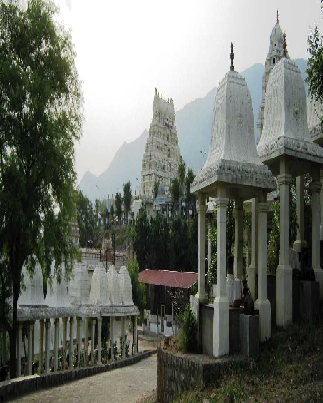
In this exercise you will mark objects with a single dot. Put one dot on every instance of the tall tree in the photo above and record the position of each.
(315, 65)
(189, 197)
(140, 238)
(118, 206)
(175, 192)
(127, 197)
(181, 175)
(40, 115)
(85, 218)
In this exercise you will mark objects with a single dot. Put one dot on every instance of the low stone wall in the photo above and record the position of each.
(15, 387)
(178, 372)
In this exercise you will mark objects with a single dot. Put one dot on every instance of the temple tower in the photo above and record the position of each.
(275, 53)
(161, 157)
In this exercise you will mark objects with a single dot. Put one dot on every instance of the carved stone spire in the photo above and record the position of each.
(277, 17)
(232, 57)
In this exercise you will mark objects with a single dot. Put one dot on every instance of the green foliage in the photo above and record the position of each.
(158, 255)
(141, 237)
(181, 174)
(189, 197)
(175, 190)
(118, 206)
(41, 117)
(138, 288)
(127, 197)
(156, 187)
(274, 239)
(85, 218)
(188, 332)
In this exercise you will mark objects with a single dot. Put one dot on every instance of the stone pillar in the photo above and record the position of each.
(99, 339)
(252, 269)
(64, 341)
(284, 309)
(30, 328)
(56, 343)
(321, 200)
(209, 244)
(33, 345)
(41, 347)
(123, 339)
(86, 341)
(201, 210)
(135, 342)
(112, 336)
(315, 187)
(79, 339)
(92, 339)
(47, 345)
(221, 302)
(300, 242)
(71, 347)
(19, 346)
(238, 240)
(262, 303)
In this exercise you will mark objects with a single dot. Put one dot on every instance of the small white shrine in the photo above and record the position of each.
(233, 170)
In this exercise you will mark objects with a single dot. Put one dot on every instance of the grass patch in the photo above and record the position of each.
(289, 368)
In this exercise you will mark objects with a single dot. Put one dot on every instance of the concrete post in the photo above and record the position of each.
(56, 343)
(284, 271)
(99, 339)
(123, 339)
(19, 346)
(201, 210)
(41, 347)
(112, 336)
(33, 345)
(47, 345)
(135, 335)
(92, 339)
(209, 244)
(64, 341)
(315, 187)
(238, 240)
(30, 328)
(262, 303)
(252, 269)
(86, 341)
(71, 347)
(321, 201)
(300, 242)
(79, 340)
(221, 302)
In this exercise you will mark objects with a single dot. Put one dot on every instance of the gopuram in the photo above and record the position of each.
(162, 156)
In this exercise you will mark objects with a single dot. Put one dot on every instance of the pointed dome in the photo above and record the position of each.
(32, 294)
(314, 114)
(285, 117)
(276, 36)
(232, 156)
(99, 287)
(57, 293)
(114, 296)
(125, 286)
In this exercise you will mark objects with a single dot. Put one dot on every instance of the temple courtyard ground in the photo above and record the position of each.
(129, 384)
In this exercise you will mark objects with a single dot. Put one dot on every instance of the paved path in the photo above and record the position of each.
(122, 385)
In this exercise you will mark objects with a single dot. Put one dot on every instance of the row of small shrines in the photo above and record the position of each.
(66, 314)
(236, 169)
(73, 352)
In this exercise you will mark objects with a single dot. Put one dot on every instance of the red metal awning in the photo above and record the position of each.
(168, 278)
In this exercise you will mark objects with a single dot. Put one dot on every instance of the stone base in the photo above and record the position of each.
(221, 327)
(298, 245)
(319, 278)
(249, 334)
(284, 292)
(309, 304)
(251, 272)
(264, 308)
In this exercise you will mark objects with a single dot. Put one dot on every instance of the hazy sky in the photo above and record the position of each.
(127, 48)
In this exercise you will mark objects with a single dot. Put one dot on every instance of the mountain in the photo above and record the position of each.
(193, 124)
(125, 166)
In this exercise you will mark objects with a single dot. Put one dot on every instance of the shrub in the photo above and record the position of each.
(188, 332)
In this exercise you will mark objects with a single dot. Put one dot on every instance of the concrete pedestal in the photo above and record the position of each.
(284, 292)
(221, 327)
(309, 300)
(249, 334)
(264, 308)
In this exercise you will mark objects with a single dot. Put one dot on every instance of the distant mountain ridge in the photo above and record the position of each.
(193, 124)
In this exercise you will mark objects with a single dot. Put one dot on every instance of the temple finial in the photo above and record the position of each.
(232, 57)
(277, 17)
(284, 46)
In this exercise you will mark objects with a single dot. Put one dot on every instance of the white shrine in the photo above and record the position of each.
(232, 170)
(161, 157)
